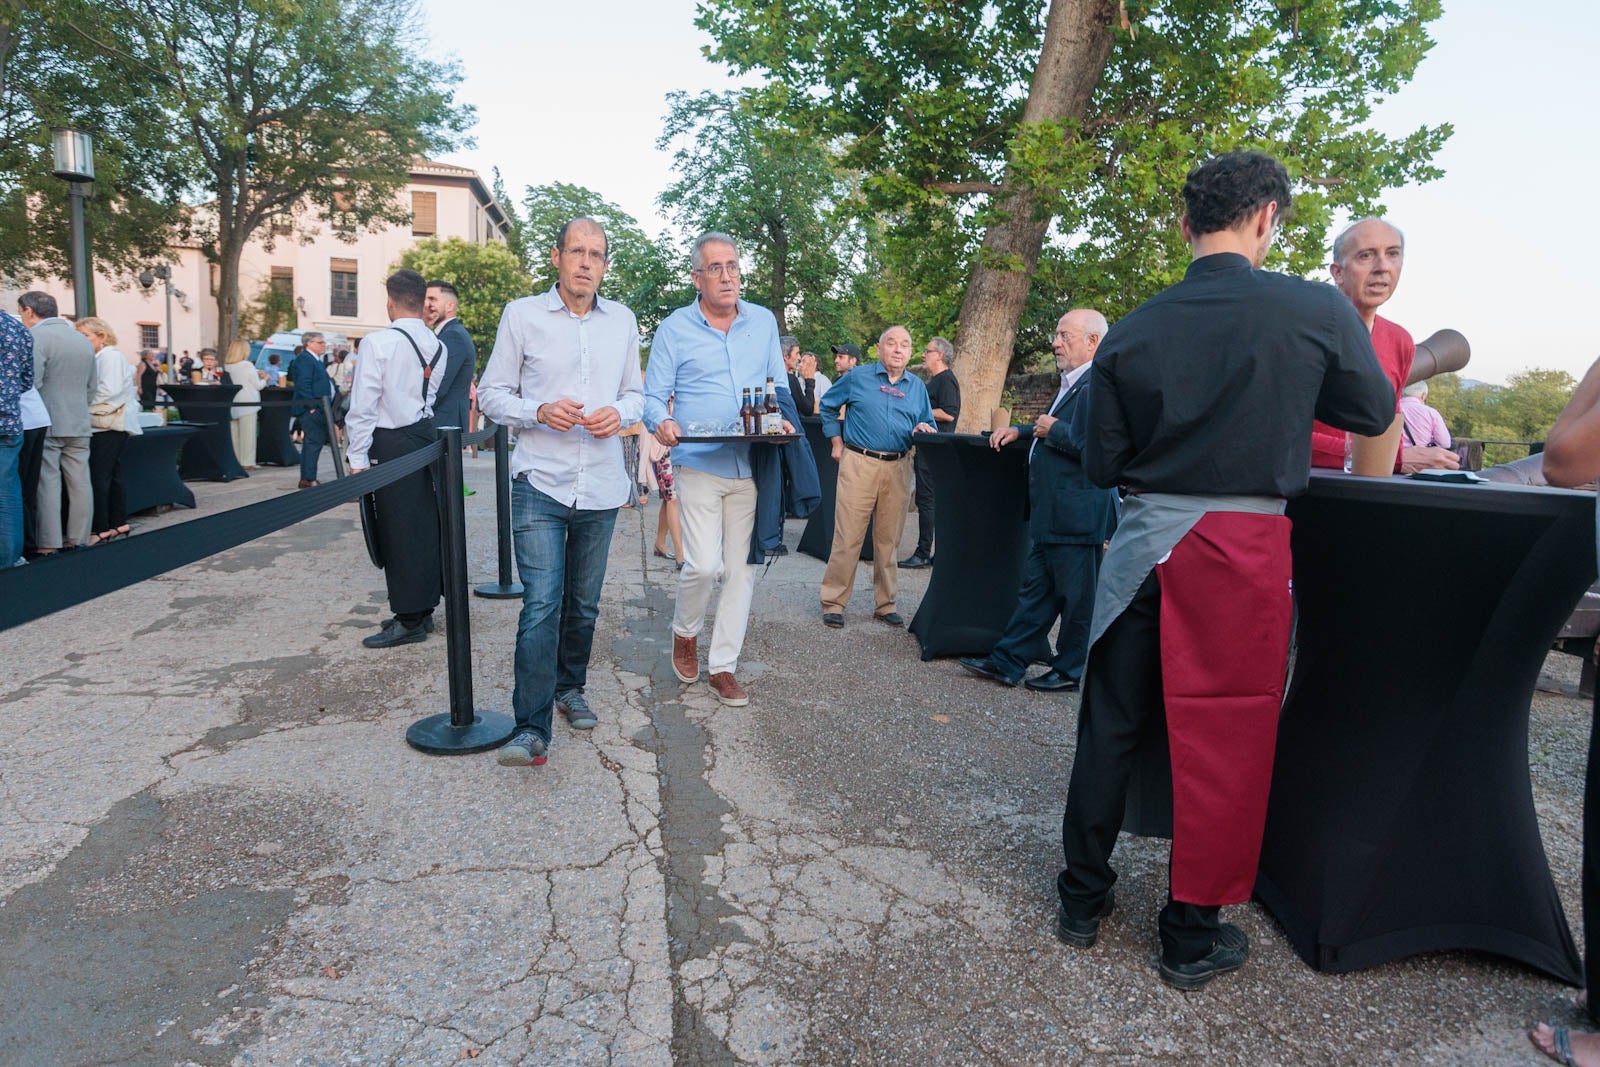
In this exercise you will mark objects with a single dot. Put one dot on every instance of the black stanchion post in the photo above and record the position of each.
(333, 439)
(507, 588)
(464, 729)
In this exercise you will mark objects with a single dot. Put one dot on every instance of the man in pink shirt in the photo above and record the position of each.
(1367, 258)
(1424, 425)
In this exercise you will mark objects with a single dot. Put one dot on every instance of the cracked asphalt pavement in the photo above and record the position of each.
(216, 848)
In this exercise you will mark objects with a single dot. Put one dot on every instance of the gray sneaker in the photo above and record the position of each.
(576, 709)
(525, 749)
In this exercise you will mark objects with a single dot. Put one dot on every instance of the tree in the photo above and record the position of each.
(52, 73)
(745, 172)
(294, 112)
(650, 276)
(487, 278)
(1063, 136)
(1523, 410)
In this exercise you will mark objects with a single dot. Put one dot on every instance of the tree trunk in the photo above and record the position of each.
(1077, 43)
(780, 276)
(230, 250)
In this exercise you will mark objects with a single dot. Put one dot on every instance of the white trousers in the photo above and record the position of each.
(718, 516)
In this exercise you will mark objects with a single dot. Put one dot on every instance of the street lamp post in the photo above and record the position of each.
(147, 278)
(74, 164)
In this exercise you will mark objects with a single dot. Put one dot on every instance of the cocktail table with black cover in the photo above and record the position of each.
(274, 446)
(981, 542)
(816, 540)
(1401, 818)
(209, 455)
(150, 468)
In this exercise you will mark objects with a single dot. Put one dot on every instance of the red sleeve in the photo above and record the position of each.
(1396, 351)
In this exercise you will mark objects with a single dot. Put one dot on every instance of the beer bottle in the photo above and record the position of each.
(771, 416)
(747, 415)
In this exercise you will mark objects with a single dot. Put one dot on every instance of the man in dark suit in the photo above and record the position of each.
(1070, 519)
(440, 314)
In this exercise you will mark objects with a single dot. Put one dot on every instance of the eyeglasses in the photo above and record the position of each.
(719, 270)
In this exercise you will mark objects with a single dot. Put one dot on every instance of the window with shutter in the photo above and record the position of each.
(342, 291)
(283, 281)
(424, 213)
(343, 205)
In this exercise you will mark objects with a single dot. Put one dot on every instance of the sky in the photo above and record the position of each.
(1500, 248)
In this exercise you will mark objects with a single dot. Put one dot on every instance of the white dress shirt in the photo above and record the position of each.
(386, 389)
(544, 353)
(35, 416)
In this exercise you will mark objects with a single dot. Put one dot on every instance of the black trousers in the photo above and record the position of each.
(105, 477)
(28, 467)
(1591, 867)
(924, 505)
(1121, 704)
(1057, 581)
(408, 525)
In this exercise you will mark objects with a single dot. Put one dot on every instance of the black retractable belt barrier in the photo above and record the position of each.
(464, 729)
(60, 582)
(507, 588)
(333, 438)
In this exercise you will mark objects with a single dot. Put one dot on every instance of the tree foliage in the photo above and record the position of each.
(1523, 410)
(486, 277)
(776, 187)
(271, 311)
(54, 71)
(650, 276)
(290, 112)
(927, 99)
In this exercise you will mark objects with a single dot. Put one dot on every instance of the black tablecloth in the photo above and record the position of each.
(150, 468)
(982, 534)
(817, 538)
(273, 444)
(1402, 818)
(209, 457)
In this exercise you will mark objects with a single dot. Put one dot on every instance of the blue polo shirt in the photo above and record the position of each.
(881, 415)
(704, 370)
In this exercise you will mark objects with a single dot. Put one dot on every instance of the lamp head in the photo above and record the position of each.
(74, 155)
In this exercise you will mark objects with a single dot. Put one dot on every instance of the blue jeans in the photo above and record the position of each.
(315, 429)
(10, 499)
(561, 557)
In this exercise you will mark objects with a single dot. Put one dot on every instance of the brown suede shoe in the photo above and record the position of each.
(728, 690)
(686, 658)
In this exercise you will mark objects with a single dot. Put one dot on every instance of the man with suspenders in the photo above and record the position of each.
(395, 384)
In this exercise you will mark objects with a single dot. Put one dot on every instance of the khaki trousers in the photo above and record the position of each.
(868, 490)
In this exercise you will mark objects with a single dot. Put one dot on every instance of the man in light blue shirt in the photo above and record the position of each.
(701, 357)
(565, 375)
(887, 406)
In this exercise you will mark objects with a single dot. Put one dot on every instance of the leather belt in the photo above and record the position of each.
(874, 454)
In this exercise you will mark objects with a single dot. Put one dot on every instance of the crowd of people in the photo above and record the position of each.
(1157, 484)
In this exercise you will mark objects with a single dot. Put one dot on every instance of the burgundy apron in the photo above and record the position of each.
(1226, 610)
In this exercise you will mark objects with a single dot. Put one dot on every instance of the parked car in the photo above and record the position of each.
(283, 344)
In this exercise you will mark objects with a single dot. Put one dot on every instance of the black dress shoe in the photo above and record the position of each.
(987, 668)
(893, 618)
(1082, 933)
(916, 562)
(1228, 954)
(390, 636)
(833, 619)
(1052, 682)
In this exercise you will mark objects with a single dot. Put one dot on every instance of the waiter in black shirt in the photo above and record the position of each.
(1200, 404)
(944, 393)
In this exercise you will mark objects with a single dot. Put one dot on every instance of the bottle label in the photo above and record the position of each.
(771, 422)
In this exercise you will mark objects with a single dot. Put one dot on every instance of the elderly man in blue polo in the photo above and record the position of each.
(887, 406)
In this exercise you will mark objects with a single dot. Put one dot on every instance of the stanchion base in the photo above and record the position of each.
(435, 736)
(492, 591)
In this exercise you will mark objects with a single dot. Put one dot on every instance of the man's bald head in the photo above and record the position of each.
(1077, 336)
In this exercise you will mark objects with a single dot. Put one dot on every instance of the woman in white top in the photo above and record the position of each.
(243, 373)
(114, 414)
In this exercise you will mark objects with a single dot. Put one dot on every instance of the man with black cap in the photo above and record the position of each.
(846, 358)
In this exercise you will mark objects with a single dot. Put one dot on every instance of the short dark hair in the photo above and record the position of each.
(41, 304)
(407, 289)
(272, 358)
(447, 289)
(1222, 192)
(582, 220)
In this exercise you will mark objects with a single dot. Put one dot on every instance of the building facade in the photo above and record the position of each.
(332, 276)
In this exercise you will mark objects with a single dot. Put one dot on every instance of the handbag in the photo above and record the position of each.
(104, 416)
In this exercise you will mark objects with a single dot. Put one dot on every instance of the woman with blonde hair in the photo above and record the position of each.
(243, 373)
(114, 416)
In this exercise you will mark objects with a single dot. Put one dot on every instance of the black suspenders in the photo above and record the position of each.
(427, 367)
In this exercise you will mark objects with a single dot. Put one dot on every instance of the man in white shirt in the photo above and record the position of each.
(564, 374)
(391, 413)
